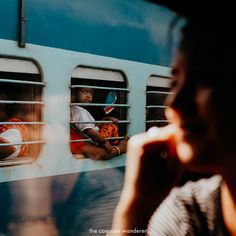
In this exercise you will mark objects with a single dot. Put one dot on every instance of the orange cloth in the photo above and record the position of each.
(24, 134)
(109, 131)
(105, 130)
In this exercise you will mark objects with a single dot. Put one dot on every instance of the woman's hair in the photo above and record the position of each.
(208, 51)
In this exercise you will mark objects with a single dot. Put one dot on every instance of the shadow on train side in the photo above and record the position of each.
(72, 204)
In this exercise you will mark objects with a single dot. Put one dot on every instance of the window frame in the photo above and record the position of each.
(99, 74)
(14, 66)
(157, 85)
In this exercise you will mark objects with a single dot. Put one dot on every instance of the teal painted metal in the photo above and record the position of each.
(56, 69)
(133, 30)
(98, 181)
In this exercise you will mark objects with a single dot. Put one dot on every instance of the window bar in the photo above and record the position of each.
(98, 121)
(159, 92)
(21, 143)
(21, 82)
(23, 123)
(100, 87)
(88, 139)
(99, 104)
(156, 106)
(156, 121)
(20, 102)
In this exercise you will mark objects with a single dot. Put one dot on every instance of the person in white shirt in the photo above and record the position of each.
(97, 133)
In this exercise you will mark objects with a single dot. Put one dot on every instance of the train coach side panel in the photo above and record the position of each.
(132, 30)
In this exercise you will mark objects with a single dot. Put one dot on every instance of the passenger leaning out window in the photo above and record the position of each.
(97, 133)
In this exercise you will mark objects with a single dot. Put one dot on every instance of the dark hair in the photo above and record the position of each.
(209, 53)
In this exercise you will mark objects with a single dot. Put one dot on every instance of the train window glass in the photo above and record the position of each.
(109, 98)
(20, 111)
(158, 88)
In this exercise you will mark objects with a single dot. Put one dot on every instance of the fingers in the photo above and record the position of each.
(163, 133)
(151, 168)
(114, 120)
(126, 138)
(154, 136)
(152, 164)
(122, 145)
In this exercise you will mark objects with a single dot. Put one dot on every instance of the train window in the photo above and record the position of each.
(20, 111)
(107, 97)
(157, 90)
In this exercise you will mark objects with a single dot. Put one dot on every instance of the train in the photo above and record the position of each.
(48, 48)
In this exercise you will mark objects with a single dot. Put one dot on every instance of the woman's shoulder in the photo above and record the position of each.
(198, 189)
(200, 194)
(188, 208)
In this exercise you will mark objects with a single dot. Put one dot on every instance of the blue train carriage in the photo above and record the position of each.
(48, 49)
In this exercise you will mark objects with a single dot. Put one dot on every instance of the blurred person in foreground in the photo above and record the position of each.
(200, 137)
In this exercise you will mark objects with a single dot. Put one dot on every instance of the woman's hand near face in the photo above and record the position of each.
(152, 169)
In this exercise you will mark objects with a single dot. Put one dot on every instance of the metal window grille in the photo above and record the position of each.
(156, 92)
(102, 82)
(21, 97)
